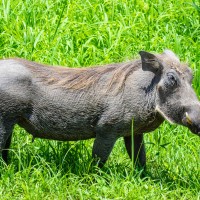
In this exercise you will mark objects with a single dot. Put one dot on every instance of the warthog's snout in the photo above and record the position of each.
(192, 121)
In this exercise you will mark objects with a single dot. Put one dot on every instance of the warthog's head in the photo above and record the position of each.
(176, 100)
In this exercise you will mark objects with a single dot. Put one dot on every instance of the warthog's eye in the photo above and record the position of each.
(172, 81)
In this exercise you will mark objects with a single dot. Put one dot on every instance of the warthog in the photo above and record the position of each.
(97, 102)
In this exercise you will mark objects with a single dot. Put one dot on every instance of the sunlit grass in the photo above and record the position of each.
(94, 32)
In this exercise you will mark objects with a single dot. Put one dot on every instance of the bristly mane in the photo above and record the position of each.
(83, 78)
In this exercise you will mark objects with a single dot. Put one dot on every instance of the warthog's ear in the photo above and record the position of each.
(150, 62)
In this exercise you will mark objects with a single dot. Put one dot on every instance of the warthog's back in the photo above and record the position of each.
(60, 103)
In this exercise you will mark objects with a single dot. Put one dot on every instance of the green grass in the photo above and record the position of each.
(93, 32)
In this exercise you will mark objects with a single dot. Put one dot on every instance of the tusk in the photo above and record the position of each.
(189, 121)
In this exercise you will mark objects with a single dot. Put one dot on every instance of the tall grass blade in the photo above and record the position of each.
(132, 143)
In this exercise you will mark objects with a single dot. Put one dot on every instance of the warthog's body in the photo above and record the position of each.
(99, 102)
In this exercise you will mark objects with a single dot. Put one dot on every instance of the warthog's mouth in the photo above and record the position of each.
(191, 124)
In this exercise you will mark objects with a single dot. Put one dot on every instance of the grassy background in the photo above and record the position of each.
(91, 32)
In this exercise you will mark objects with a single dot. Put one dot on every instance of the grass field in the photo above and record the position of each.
(93, 32)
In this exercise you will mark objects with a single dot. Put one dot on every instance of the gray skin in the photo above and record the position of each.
(155, 88)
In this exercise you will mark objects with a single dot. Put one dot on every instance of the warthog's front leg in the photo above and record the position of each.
(139, 149)
(102, 148)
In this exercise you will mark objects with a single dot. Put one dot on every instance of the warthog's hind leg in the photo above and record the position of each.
(6, 128)
(6, 149)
